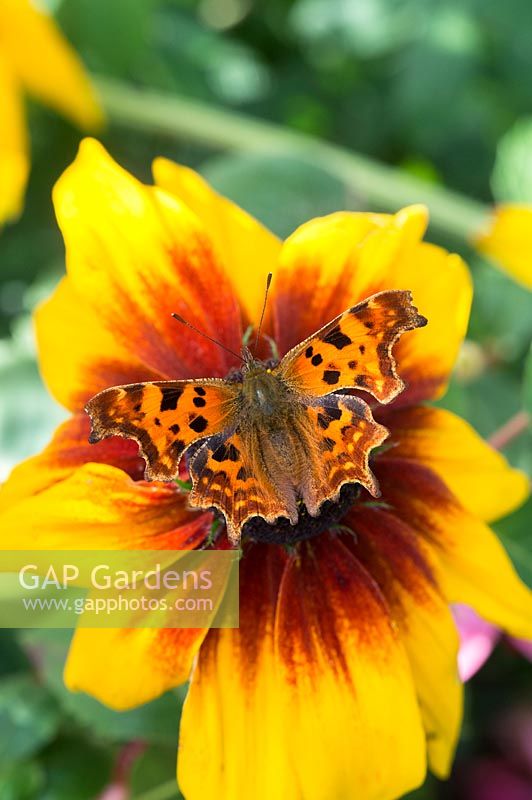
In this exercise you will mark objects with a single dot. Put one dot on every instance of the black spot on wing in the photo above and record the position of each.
(323, 421)
(352, 364)
(331, 376)
(362, 349)
(337, 338)
(316, 360)
(198, 424)
(175, 428)
(157, 422)
(170, 397)
(362, 381)
(177, 448)
(226, 453)
(242, 475)
(200, 390)
(309, 352)
(199, 402)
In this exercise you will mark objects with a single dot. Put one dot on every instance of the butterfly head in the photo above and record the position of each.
(261, 387)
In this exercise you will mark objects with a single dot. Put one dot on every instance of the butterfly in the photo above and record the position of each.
(269, 438)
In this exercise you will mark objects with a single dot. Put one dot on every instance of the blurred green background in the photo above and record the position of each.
(440, 90)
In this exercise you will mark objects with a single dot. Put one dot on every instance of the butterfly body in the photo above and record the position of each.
(263, 393)
(272, 436)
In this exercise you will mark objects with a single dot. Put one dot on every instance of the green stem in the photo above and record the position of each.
(166, 791)
(381, 186)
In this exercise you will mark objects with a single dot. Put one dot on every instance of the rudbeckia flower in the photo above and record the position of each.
(34, 59)
(507, 240)
(341, 680)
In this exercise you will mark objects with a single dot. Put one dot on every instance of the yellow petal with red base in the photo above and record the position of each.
(321, 704)
(14, 161)
(232, 738)
(135, 255)
(99, 507)
(394, 556)
(45, 64)
(473, 567)
(247, 249)
(345, 683)
(68, 450)
(508, 241)
(479, 476)
(330, 264)
(124, 668)
(80, 356)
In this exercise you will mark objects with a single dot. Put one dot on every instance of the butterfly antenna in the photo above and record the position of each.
(180, 319)
(268, 282)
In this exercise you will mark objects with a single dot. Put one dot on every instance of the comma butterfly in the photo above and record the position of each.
(272, 436)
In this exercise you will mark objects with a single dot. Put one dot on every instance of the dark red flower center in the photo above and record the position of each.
(307, 527)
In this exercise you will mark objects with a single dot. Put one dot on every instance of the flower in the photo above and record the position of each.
(342, 678)
(507, 239)
(34, 58)
(478, 639)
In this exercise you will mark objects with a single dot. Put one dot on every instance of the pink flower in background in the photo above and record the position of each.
(478, 639)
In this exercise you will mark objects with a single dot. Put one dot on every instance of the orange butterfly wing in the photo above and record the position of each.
(227, 477)
(354, 350)
(164, 417)
(346, 434)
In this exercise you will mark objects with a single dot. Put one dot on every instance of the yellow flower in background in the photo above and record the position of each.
(34, 59)
(508, 241)
(341, 680)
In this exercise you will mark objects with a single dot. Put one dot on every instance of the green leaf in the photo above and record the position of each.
(281, 191)
(75, 770)
(157, 721)
(527, 384)
(28, 415)
(112, 36)
(29, 718)
(501, 317)
(155, 767)
(511, 180)
(21, 781)
(12, 656)
(515, 533)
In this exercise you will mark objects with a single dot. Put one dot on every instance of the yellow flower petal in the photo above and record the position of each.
(473, 567)
(238, 752)
(508, 241)
(321, 705)
(99, 507)
(247, 249)
(334, 262)
(404, 570)
(45, 64)
(124, 668)
(68, 450)
(79, 354)
(430, 639)
(14, 162)
(135, 254)
(478, 475)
